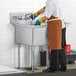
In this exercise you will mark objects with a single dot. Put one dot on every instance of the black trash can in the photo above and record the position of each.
(70, 58)
(43, 58)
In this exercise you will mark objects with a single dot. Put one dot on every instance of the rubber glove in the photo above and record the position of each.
(32, 16)
(39, 21)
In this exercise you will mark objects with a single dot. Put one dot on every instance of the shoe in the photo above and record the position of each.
(48, 70)
(64, 70)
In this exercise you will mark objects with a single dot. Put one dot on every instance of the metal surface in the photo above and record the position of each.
(19, 56)
(24, 35)
(32, 58)
(28, 34)
(47, 58)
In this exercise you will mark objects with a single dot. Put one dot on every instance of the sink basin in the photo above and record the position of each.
(28, 34)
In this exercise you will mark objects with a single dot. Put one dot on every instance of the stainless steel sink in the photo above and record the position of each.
(29, 34)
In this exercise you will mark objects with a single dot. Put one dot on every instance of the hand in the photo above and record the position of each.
(37, 22)
(32, 16)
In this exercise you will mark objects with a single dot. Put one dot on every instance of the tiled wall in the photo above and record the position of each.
(8, 50)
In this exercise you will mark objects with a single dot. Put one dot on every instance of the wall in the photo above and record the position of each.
(8, 50)
(69, 11)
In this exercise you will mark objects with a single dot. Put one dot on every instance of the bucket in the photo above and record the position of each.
(45, 51)
(67, 48)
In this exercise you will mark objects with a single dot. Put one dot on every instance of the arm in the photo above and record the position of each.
(45, 18)
(33, 16)
(41, 20)
(39, 12)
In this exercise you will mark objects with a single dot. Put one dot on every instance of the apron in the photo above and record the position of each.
(54, 28)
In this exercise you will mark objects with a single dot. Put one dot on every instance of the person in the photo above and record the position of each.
(58, 55)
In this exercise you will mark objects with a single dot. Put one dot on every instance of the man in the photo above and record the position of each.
(58, 55)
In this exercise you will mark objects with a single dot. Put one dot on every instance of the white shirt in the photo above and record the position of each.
(53, 8)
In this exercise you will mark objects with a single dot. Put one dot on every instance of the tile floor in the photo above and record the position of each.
(40, 68)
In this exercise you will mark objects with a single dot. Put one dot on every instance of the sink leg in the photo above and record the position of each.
(47, 58)
(32, 56)
(19, 56)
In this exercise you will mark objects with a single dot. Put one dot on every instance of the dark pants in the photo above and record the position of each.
(58, 57)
